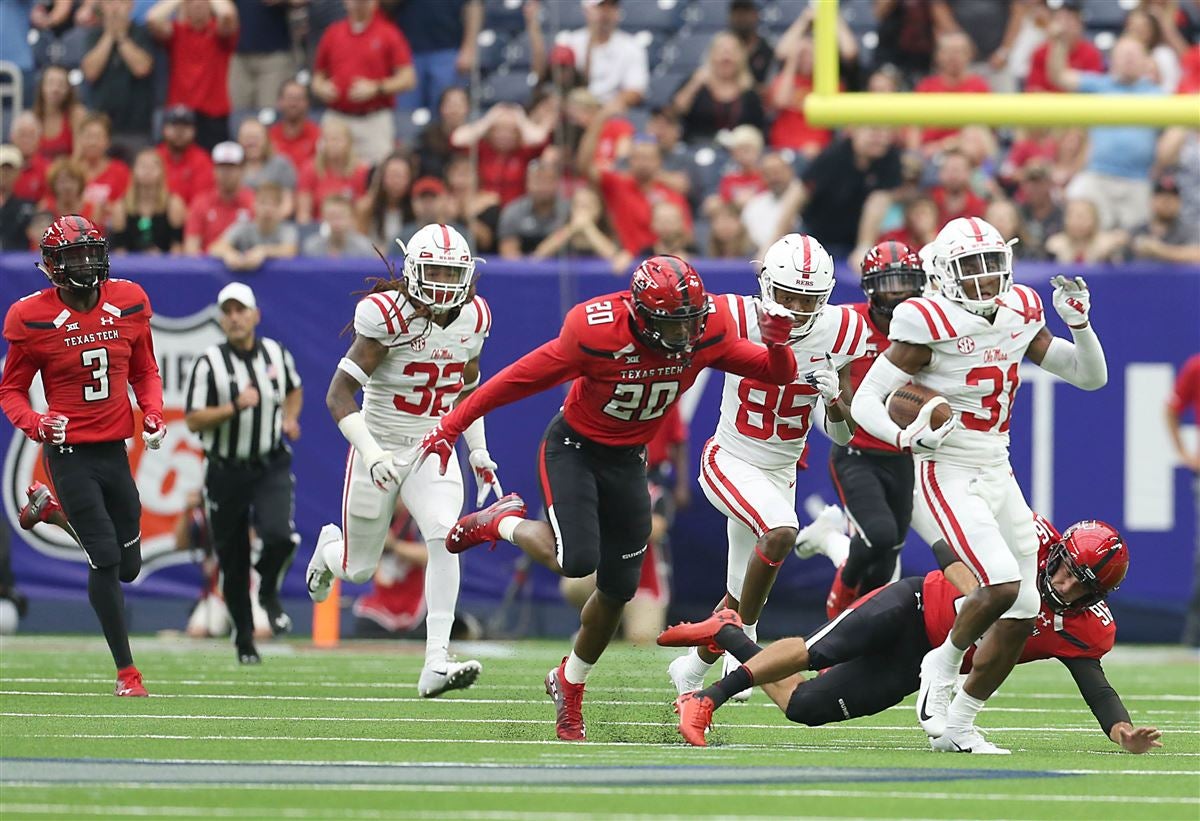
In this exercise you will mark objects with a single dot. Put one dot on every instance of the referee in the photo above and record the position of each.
(243, 398)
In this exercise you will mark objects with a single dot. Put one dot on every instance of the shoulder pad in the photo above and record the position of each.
(380, 316)
(851, 339)
(1027, 302)
(483, 315)
(921, 320)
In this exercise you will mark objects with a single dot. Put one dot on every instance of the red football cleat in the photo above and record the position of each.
(41, 507)
(841, 595)
(568, 701)
(480, 527)
(700, 634)
(129, 682)
(695, 717)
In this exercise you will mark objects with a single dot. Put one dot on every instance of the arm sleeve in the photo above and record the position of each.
(1080, 362)
(1093, 685)
(534, 372)
(775, 364)
(868, 408)
(292, 379)
(19, 370)
(202, 388)
(143, 371)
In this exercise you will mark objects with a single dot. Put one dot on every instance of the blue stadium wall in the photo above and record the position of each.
(1077, 455)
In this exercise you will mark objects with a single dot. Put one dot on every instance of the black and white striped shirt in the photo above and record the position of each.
(220, 374)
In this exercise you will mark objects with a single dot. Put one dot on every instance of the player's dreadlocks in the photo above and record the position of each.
(395, 282)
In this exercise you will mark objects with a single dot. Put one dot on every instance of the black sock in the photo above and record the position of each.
(735, 642)
(108, 600)
(276, 559)
(728, 687)
(857, 562)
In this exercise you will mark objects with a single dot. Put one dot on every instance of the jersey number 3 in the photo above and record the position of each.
(96, 361)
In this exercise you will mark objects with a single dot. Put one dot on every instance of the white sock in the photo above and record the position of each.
(751, 631)
(508, 527)
(576, 669)
(441, 595)
(949, 658)
(962, 712)
(836, 547)
(331, 554)
(697, 666)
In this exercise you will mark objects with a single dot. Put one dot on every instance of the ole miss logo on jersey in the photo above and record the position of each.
(164, 477)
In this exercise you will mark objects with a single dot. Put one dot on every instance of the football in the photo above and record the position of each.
(906, 402)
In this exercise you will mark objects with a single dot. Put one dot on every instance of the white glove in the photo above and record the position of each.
(383, 470)
(918, 437)
(153, 430)
(826, 381)
(1072, 300)
(486, 480)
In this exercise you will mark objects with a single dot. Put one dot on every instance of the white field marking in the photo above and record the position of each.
(542, 722)
(467, 815)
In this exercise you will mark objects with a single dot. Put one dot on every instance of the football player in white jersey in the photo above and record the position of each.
(967, 342)
(415, 353)
(748, 470)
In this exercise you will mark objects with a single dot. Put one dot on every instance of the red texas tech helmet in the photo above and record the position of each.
(895, 269)
(74, 253)
(1095, 554)
(668, 305)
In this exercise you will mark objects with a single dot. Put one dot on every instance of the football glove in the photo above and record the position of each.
(383, 470)
(775, 324)
(1072, 300)
(52, 428)
(154, 428)
(918, 437)
(437, 441)
(826, 381)
(486, 480)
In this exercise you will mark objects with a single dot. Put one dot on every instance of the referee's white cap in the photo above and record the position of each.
(238, 292)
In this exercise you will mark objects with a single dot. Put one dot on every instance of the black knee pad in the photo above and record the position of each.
(618, 578)
(812, 706)
(131, 564)
(879, 532)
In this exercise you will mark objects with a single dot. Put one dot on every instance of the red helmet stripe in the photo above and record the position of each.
(975, 227)
(445, 236)
(807, 252)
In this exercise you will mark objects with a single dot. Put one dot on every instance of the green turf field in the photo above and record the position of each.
(320, 734)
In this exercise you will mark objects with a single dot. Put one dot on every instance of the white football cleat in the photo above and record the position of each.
(682, 675)
(442, 676)
(728, 665)
(933, 698)
(970, 740)
(811, 539)
(319, 577)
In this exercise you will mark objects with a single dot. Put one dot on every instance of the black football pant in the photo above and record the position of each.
(238, 494)
(876, 489)
(100, 499)
(598, 505)
(870, 654)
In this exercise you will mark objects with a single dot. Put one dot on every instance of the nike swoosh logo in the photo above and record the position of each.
(922, 713)
(816, 359)
(1015, 334)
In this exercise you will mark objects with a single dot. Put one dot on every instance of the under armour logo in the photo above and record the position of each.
(567, 441)
(107, 320)
(65, 449)
(71, 326)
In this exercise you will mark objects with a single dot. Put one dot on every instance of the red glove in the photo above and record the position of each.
(775, 324)
(154, 428)
(437, 441)
(52, 428)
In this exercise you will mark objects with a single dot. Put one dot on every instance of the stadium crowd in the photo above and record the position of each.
(252, 129)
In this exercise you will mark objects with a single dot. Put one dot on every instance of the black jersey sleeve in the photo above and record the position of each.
(1093, 685)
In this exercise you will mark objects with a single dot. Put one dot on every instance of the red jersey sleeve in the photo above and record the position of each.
(775, 364)
(1187, 385)
(19, 370)
(143, 368)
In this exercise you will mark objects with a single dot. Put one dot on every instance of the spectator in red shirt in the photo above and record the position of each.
(334, 170)
(1081, 54)
(362, 62)
(921, 224)
(107, 178)
(189, 168)
(508, 139)
(58, 111)
(200, 42)
(1187, 396)
(745, 144)
(953, 193)
(951, 58)
(630, 197)
(26, 134)
(211, 213)
(294, 135)
(66, 182)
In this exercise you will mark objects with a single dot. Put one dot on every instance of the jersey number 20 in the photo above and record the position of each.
(646, 401)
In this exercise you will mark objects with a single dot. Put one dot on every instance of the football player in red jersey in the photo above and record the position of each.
(874, 479)
(870, 654)
(89, 336)
(631, 354)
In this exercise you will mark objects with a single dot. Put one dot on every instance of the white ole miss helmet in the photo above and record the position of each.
(797, 263)
(965, 251)
(438, 247)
